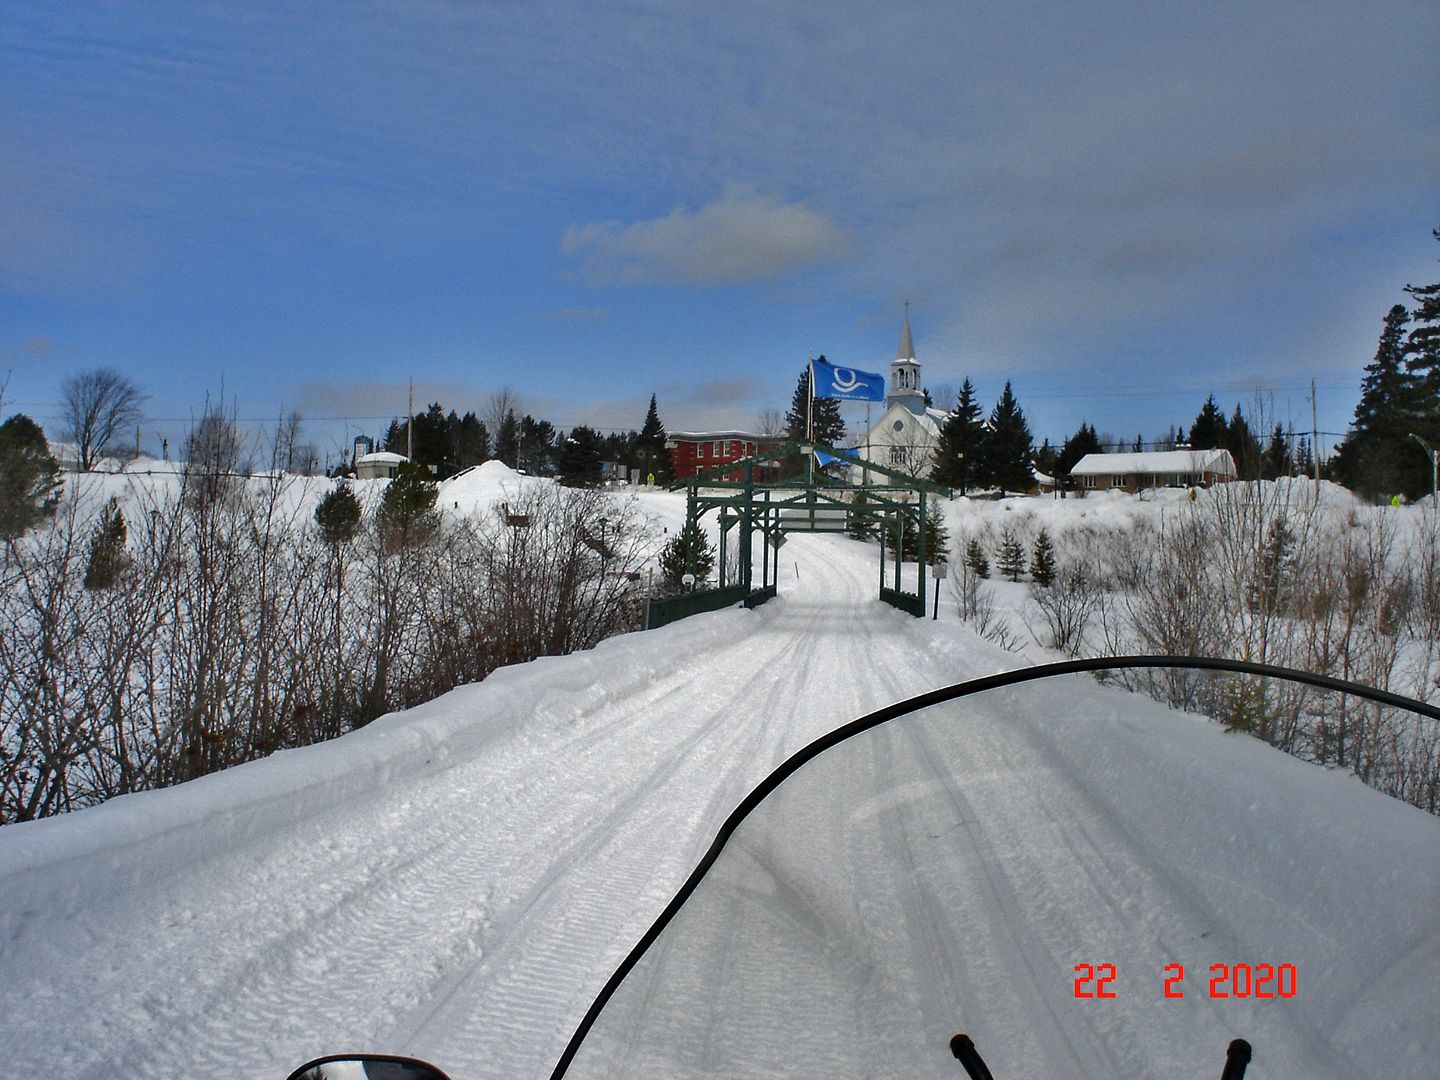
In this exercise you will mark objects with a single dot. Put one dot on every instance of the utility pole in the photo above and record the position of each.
(1314, 437)
(410, 423)
(1434, 468)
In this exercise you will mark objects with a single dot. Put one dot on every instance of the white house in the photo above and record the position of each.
(1161, 468)
(907, 432)
(380, 465)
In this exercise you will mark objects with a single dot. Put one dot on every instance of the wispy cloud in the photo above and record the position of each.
(743, 236)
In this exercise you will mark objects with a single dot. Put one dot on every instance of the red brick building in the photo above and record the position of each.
(694, 451)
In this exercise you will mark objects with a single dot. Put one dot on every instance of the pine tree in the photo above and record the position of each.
(958, 455)
(338, 514)
(1042, 560)
(651, 457)
(1422, 366)
(689, 552)
(1007, 446)
(1010, 556)
(1208, 430)
(107, 550)
(407, 509)
(1276, 461)
(829, 425)
(1374, 458)
(579, 457)
(1243, 447)
(1084, 441)
(472, 441)
(507, 440)
(861, 525)
(937, 537)
(29, 477)
(975, 558)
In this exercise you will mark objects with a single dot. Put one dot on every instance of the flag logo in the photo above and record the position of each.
(848, 384)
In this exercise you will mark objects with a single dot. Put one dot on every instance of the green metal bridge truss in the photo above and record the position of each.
(806, 502)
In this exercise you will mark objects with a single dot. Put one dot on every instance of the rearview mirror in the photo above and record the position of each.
(367, 1067)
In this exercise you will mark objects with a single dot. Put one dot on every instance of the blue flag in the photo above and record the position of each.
(825, 459)
(847, 384)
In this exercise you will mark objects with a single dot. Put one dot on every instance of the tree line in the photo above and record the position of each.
(446, 443)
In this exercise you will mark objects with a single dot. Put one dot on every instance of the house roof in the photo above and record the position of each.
(1156, 462)
(711, 436)
(382, 457)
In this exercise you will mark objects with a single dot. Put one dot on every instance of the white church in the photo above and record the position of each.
(907, 432)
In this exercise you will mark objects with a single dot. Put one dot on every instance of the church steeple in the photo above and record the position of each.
(905, 373)
(907, 347)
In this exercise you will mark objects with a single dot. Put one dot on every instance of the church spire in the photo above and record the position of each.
(907, 347)
(905, 386)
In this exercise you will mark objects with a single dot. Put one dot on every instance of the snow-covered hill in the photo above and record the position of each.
(456, 881)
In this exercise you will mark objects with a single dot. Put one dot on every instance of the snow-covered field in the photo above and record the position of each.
(457, 881)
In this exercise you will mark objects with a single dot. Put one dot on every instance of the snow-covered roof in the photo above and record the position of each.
(713, 436)
(382, 457)
(1156, 462)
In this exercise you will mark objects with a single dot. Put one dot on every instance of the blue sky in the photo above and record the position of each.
(1118, 209)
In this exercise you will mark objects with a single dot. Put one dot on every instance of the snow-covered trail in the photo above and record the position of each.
(458, 880)
(459, 895)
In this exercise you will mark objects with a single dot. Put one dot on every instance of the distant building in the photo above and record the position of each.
(380, 465)
(908, 431)
(1158, 469)
(695, 451)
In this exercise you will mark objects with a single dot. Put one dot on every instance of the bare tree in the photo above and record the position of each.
(98, 405)
(772, 422)
(502, 402)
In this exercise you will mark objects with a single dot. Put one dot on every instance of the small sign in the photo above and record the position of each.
(939, 568)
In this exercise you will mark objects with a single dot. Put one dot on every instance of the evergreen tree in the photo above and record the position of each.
(1242, 445)
(1007, 446)
(29, 477)
(688, 552)
(338, 514)
(507, 440)
(1304, 458)
(1422, 366)
(959, 453)
(472, 442)
(1042, 560)
(1208, 430)
(1375, 458)
(861, 525)
(1276, 461)
(539, 446)
(407, 509)
(1010, 556)
(107, 550)
(1047, 458)
(651, 457)
(578, 457)
(1139, 447)
(829, 425)
(1084, 441)
(975, 558)
(937, 537)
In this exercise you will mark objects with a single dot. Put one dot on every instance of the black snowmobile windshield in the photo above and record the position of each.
(1092, 873)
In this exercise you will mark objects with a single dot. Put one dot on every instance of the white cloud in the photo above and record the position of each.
(740, 237)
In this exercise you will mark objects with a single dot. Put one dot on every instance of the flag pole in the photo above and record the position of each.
(810, 405)
(810, 426)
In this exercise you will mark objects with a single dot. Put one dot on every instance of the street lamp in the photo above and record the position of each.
(1434, 468)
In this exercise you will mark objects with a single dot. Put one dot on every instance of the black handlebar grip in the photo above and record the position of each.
(965, 1053)
(1237, 1057)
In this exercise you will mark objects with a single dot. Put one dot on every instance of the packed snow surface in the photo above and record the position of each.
(458, 880)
